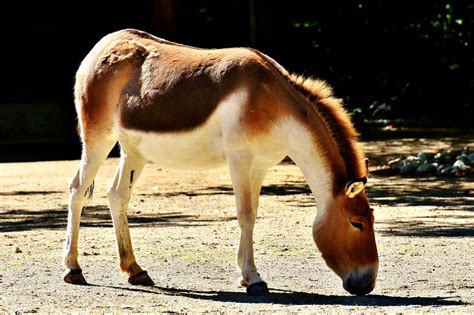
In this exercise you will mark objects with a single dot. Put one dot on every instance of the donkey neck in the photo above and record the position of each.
(323, 145)
(331, 131)
(313, 164)
(332, 137)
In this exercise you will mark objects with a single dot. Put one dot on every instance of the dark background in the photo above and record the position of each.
(396, 63)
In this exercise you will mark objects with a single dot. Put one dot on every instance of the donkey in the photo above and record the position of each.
(189, 108)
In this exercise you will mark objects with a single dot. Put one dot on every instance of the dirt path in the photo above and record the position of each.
(185, 234)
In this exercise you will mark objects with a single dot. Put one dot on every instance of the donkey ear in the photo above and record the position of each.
(366, 161)
(354, 188)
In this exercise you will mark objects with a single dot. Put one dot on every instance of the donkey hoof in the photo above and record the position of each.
(141, 278)
(74, 276)
(258, 289)
(242, 282)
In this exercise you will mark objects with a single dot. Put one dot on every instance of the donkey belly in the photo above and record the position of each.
(187, 150)
(206, 146)
(198, 150)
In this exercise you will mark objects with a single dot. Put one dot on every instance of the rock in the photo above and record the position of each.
(411, 159)
(410, 164)
(463, 157)
(443, 157)
(445, 162)
(395, 161)
(470, 157)
(447, 169)
(396, 164)
(426, 168)
(425, 156)
(440, 167)
(460, 165)
(408, 168)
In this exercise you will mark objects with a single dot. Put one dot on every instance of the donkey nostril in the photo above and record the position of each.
(348, 286)
(365, 289)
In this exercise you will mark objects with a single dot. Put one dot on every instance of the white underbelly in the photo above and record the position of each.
(200, 149)
(188, 150)
(207, 146)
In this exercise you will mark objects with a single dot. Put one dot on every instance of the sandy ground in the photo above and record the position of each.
(185, 234)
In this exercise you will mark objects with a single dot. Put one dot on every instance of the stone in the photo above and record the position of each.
(426, 168)
(408, 168)
(460, 165)
(425, 156)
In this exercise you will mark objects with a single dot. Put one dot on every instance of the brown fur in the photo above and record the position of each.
(158, 85)
(188, 94)
(162, 86)
(100, 81)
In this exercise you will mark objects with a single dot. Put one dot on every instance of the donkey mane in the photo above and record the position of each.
(333, 115)
(337, 121)
(312, 88)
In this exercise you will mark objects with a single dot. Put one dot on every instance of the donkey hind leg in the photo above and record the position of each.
(247, 184)
(80, 191)
(130, 168)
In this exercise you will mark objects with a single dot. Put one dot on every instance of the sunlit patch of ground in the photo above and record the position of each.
(185, 234)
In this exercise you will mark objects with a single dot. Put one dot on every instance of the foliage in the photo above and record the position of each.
(393, 58)
(386, 58)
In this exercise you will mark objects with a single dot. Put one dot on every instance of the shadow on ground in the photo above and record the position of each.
(28, 193)
(443, 195)
(99, 216)
(420, 191)
(287, 297)
(96, 216)
(450, 203)
(295, 188)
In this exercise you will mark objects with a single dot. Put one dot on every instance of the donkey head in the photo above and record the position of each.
(345, 236)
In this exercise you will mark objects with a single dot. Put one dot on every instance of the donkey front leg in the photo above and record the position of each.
(247, 184)
(119, 195)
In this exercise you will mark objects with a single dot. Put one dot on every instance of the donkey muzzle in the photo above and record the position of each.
(360, 282)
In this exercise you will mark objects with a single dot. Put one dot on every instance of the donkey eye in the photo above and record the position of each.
(357, 225)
